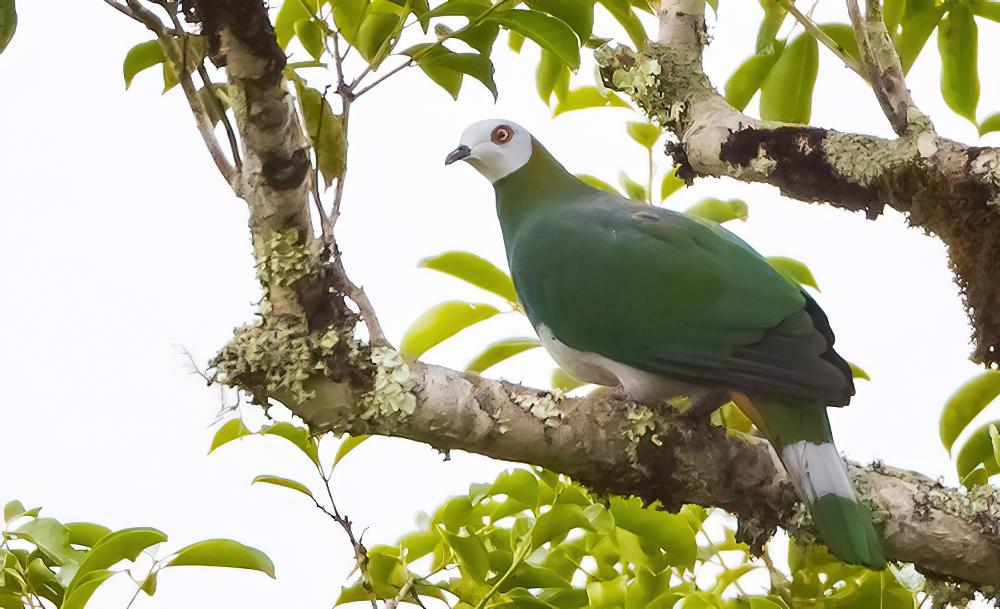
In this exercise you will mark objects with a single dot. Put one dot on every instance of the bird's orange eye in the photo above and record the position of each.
(502, 134)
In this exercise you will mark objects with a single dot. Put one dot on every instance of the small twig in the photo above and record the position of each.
(823, 38)
(223, 117)
(326, 226)
(360, 552)
(153, 23)
(403, 593)
(358, 297)
(121, 8)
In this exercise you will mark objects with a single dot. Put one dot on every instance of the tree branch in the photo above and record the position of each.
(884, 71)
(625, 448)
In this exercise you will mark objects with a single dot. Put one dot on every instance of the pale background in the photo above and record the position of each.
(122, 246)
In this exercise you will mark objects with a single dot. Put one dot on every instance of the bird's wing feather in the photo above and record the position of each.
(676, 296)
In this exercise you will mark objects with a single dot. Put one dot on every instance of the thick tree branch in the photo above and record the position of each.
(943, 186)
(620, 447)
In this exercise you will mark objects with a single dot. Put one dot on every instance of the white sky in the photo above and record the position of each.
(122, 245)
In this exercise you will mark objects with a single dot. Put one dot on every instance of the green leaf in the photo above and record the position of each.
(441, 322)
(471, 554)
(519, 484)
(419, 544)
(310, 34)
(793, 270)
(347, 446)
(995, 441)
(299, 436)
(325, 131)
(380, 29)
(786, 94)
(774, 16)
(191, 50)
(747, 79)
(230, 430)
(670, 531)
(607, 594)
(222, 553)
(990, 124)
(578, 14)
(671, 184)
(285, 482)
(645, 134)
(988, 10)
(515, 41)
(289, 15)
(480, 37)
(348, 16)
(550, 70)
(149, 584)
(633, 189)
(8, 22)
(9, 600)
(86, 534)
(621, 10)
(565, 381)
(597, 183)
(51, 537)
(892, 13)
(448, 79)
(976, 477)
(587, 97)
(475, 270)
(916, 29)
(558, 521)
(475, 65)
(547, 31)
(968, 401)
(500, 351)
(140, 57)
(958, 39)
(77, 597)
(858, 372)
(718, 210)
(13, 510)
(125, 544)
(843, 35)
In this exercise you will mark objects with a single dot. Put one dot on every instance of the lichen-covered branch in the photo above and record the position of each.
(943, 186)
(608, 444)
(883, 69)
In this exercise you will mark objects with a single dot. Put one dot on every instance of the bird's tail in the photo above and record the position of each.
(800, 433)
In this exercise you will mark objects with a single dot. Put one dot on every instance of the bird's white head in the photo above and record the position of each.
(495, 147)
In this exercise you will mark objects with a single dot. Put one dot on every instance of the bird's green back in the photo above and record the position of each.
(660, 291)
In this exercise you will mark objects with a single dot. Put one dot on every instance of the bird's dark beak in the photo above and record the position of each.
(457, 154)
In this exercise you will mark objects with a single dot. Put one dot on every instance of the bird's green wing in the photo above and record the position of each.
(673, 295)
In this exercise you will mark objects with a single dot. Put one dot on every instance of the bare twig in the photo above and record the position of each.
(202, 121)
(358, 297)
(824, 38)
(403, 593)
(121, 8)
